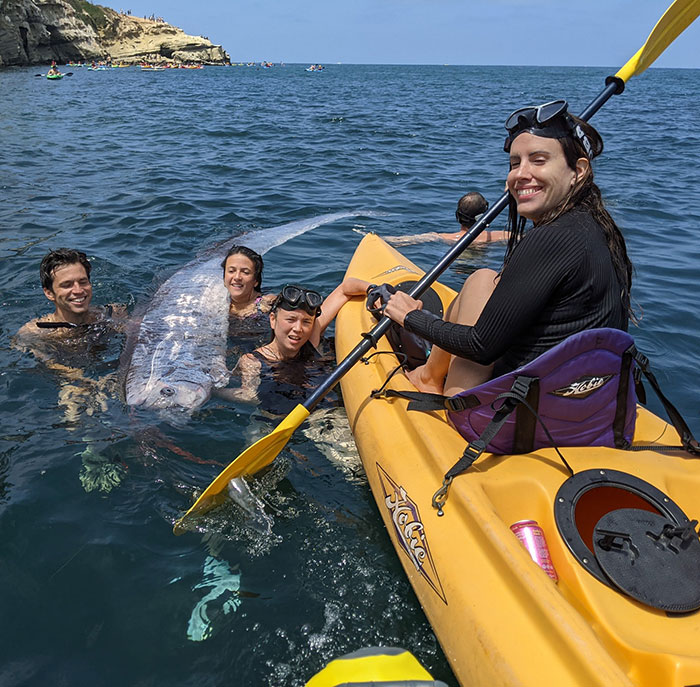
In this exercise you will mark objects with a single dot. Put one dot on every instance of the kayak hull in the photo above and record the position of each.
(499, 618)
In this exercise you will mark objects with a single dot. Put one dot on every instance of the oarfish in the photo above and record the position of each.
(179, 351)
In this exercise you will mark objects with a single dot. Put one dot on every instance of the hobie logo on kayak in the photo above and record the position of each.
(583, 386)
(410, 531)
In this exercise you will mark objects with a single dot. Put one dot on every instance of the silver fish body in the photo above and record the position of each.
(179, 352)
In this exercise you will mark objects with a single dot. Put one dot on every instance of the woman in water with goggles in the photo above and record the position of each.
(568, 272)
(298, 318)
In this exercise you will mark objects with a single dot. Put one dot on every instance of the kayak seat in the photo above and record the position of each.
(579, 393)
(582, 392)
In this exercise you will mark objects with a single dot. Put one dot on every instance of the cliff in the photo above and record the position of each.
(39, 31)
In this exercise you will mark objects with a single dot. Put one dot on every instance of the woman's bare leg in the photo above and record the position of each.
(443, 372)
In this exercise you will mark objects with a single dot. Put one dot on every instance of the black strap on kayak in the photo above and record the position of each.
(688, 441)
(419, 400)
(521, 395)
(378, 393)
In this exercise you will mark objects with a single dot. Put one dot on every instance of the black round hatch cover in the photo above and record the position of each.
(431, 301)
(651, 558)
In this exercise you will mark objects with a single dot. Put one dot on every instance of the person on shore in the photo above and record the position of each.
(249, 307)
(469, 209)
(567, 273)
(298, 319)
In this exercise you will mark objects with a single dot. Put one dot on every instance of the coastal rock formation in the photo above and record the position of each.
(39, 31)
(134, 39)
(36, 31)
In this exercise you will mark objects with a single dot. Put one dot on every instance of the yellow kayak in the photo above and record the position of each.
(499, 617)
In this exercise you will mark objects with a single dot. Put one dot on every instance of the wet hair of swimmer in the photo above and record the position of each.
(469, 207)
(254, 257)
(60, 258)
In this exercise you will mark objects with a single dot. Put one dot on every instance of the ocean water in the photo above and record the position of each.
(142, 171)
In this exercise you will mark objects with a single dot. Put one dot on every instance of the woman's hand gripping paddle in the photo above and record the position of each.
(675, 20)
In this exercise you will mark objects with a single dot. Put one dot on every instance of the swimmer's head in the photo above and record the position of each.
(293, 297)
(60, 258)
(470, 207)
(255, 259)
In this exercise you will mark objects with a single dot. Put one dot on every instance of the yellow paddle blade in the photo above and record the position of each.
(254, 458)
(678, 17)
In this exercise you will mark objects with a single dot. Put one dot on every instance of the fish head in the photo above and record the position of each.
(174, 385)
(170, 394)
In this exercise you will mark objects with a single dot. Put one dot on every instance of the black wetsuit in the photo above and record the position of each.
(559, 280)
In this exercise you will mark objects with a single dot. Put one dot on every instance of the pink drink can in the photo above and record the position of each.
(532, 538)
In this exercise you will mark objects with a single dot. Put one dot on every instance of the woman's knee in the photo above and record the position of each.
(481, 281)
(467, 307)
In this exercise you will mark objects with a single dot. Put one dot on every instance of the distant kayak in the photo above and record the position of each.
(54, 77)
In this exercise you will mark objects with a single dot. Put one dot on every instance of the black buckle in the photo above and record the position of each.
(457, 404)
(520, 387)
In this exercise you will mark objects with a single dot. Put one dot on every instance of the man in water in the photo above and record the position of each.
(65, 279)
(469, 208)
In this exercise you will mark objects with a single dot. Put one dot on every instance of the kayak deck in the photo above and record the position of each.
(500, 619)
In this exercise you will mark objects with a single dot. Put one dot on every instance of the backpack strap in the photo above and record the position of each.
(689, 442)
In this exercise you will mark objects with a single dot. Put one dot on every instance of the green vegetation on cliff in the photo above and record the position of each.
(91, 14)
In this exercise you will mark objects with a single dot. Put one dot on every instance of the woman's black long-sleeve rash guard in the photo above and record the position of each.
(559, 280)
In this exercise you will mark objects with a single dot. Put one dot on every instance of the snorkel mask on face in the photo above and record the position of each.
(551, 120)
(298, 298)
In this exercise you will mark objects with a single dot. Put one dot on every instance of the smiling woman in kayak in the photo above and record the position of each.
(298, 318)
(567, 273)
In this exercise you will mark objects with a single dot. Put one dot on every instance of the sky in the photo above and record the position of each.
(601, 33)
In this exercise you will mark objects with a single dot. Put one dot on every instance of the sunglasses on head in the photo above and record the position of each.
(296, 297)
(551, 120)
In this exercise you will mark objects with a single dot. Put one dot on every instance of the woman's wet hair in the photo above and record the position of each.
(586, 195)
(254, 257)
(60, 258)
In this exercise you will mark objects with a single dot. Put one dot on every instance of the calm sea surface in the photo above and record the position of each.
(142, 171)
